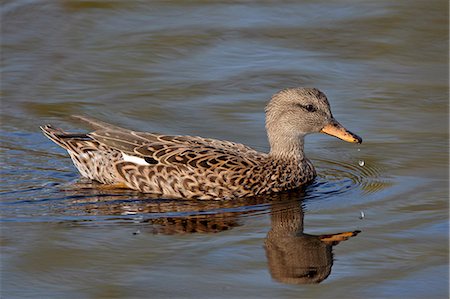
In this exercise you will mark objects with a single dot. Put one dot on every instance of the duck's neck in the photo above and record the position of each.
(286, 146)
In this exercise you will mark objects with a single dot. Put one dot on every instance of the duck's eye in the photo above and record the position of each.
(310, 108)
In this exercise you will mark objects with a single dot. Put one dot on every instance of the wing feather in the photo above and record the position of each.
(191, 151)
(125, 141)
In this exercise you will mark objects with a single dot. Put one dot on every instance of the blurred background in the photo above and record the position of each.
(208, 68)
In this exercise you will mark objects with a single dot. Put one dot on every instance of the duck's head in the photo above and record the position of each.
(295, 112)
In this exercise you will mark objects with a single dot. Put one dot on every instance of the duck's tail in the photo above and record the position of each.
(61, 137)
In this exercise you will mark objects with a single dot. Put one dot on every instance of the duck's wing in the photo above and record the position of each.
(178, 150)
(127, 141)
(124, 139)
(174, 150)
(190, 171)
(182, 166)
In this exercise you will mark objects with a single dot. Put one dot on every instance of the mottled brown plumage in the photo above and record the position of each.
(202, 168)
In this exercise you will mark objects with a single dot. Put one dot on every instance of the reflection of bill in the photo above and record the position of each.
(295, 257)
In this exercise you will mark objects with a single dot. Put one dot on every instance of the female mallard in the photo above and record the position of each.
(195, 167)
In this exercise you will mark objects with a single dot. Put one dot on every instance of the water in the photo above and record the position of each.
(207, 69)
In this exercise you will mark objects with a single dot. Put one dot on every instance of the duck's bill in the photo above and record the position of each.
(337, 130)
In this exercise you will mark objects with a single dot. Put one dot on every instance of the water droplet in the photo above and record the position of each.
(362, 215)
(361, 162)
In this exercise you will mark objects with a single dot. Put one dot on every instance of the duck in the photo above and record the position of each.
(193, 167)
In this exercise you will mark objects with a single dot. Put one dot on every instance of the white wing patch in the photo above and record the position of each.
(134, 159)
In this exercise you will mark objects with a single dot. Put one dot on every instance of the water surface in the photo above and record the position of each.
(207, 69)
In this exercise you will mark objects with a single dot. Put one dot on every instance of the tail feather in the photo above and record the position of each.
(61, 137)
(54, 134)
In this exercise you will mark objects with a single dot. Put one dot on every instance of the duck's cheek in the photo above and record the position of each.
(310, 125)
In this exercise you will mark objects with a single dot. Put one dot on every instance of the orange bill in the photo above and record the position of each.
(334, 239)
(337, 130)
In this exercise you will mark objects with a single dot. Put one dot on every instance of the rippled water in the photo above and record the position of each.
(377, 229)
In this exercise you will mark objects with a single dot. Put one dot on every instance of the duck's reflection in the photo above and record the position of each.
(296, 257)
(194, 224)
(293, 256)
